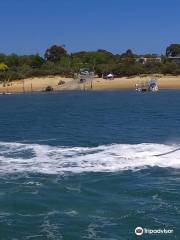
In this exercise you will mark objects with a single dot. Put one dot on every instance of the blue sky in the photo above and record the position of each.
(31, 26)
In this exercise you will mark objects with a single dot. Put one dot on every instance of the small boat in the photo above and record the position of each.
(148, 86)
(5, 93)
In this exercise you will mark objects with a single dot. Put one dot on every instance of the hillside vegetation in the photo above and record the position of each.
(57, 61)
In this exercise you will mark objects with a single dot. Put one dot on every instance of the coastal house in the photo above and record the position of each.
(174, 59)
(144, 60)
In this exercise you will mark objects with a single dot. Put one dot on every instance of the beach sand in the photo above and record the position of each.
(164, 82)
(40, 84)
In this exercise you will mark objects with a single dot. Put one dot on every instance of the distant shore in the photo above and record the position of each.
(38, 84)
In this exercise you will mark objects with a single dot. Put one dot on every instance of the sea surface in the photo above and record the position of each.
(85, 165)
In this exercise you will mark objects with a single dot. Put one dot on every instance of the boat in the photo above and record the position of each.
(5, 93)
(147, 86)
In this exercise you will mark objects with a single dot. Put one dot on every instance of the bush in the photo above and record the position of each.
(58, 62)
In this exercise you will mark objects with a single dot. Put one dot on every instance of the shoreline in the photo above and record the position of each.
(39, 84)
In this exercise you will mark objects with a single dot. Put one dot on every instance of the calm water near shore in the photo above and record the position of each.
(82, 165)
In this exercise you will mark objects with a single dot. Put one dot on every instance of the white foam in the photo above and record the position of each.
(107, 158)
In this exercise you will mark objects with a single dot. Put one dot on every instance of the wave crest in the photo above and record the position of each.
(17, 157)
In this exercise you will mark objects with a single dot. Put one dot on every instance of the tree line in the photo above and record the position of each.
(57, 61)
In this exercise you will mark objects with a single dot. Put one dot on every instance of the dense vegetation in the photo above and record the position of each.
(57, 61)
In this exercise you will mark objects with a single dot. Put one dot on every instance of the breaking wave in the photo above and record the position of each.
(18, 157)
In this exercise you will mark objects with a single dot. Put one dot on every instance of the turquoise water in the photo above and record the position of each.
(82, 165)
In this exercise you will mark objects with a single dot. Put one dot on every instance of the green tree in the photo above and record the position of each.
(170, 68)
(3, 72)
(34, 61)
(128, 57)
(55, 53)
(12, 60)
(3, 67)
(2, 58)
(128, 54)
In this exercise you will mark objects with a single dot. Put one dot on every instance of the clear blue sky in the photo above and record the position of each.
(31, 26)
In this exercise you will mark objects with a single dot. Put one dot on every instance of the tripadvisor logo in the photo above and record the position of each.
(139, 231)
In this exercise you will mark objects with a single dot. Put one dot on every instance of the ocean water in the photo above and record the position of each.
(85, 165)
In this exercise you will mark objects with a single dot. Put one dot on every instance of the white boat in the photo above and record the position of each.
(5, 93)
(148, 86)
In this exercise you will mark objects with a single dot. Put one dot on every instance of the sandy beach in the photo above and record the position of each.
(40, 84)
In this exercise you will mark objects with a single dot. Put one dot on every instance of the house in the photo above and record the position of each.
(143, 60)
(175, 59)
